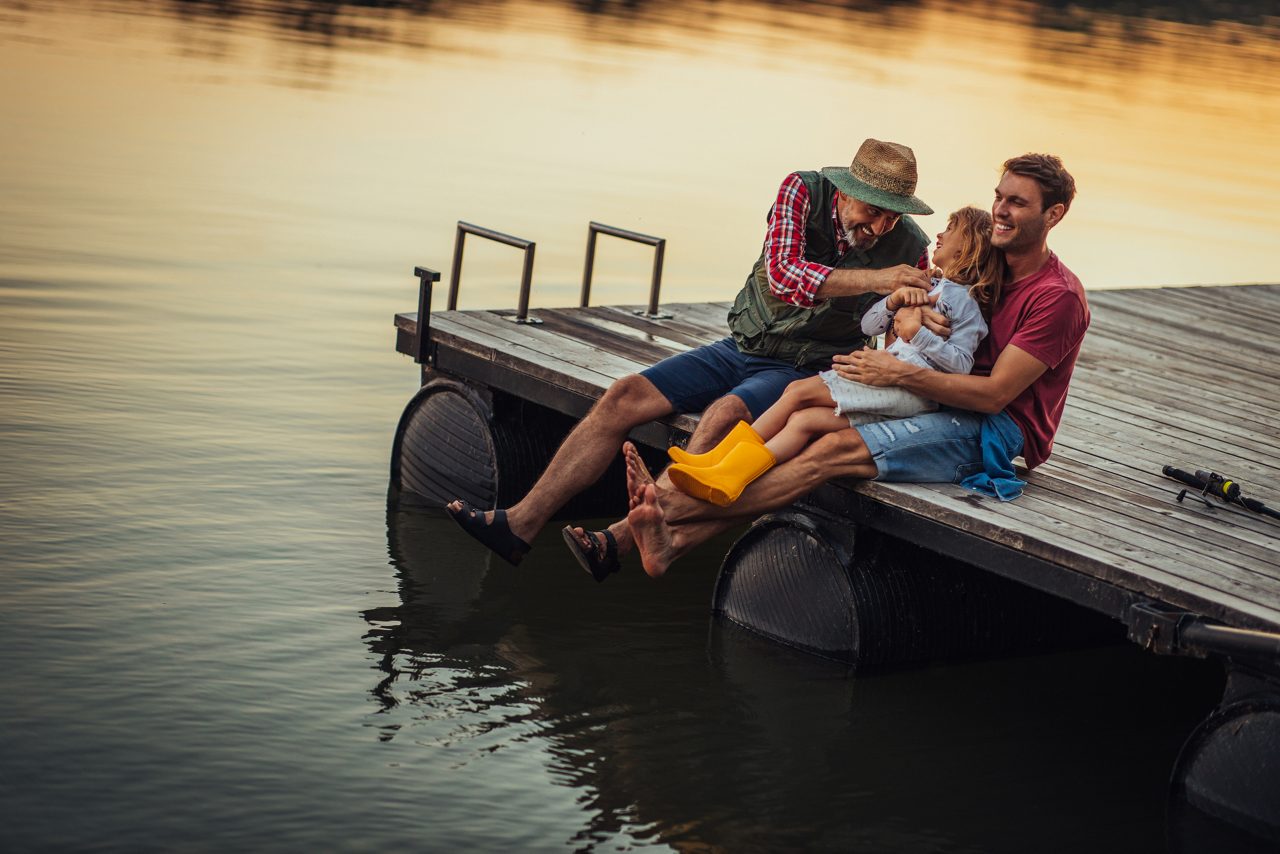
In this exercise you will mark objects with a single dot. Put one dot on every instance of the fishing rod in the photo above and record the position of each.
(1209, 483)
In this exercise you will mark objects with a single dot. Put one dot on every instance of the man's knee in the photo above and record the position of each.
(717, 420)
(841, 448)
(632, 400)
(730, 408)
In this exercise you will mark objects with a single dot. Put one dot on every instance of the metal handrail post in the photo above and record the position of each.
(455, 275)
(588, 267)
(526, 285)
(659, 250)
(658, 243)
(526, 277)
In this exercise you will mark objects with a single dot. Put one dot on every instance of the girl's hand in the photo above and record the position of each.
(907, 323)
(907, 296)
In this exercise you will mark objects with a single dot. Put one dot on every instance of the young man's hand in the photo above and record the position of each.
(871, 367)
(935, 321)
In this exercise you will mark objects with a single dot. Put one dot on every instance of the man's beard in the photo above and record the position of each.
(864, 241)
(859, 238)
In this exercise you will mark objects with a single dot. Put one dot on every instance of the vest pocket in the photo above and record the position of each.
(748, 331)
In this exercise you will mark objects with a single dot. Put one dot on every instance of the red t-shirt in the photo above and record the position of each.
(1045, 315)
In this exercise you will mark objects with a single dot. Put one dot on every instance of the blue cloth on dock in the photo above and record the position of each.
(1001, 441)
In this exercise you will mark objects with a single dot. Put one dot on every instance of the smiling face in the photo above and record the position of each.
(864, 223)
(948, 246)
(1021, 222)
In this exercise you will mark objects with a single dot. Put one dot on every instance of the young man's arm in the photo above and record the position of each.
(1014, 371)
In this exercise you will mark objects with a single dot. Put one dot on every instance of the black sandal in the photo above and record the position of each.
(496, 535)
(600, 561)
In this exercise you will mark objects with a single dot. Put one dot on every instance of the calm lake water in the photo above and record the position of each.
(215, 636)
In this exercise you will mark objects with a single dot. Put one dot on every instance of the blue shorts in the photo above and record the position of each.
(692, 380)
(936, 447)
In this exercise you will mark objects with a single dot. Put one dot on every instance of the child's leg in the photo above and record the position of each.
(799, 395)
(803, 427)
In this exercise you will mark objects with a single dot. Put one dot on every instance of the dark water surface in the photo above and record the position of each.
(214, 635)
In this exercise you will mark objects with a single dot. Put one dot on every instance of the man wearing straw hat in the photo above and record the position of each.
(837, 241)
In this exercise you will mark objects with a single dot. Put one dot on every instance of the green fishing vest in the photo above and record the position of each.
(764, 325)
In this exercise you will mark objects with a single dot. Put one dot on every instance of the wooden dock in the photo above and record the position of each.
(1162, 380)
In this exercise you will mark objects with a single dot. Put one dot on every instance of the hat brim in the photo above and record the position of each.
(849, 185)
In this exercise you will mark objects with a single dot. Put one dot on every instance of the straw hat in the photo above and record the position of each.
(882, 174)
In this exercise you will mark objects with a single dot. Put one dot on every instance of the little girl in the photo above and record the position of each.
(971, 276)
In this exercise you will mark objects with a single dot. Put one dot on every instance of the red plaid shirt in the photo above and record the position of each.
(791, 278)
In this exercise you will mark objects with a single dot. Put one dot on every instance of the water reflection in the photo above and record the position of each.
(724, 741)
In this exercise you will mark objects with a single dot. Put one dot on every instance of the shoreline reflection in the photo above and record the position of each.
(409, 23)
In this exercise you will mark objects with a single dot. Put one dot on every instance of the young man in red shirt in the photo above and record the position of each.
(1010, 404)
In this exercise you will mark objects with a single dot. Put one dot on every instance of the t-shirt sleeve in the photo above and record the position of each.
(1053, 327)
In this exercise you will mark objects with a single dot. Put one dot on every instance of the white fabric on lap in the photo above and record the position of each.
(863, 404)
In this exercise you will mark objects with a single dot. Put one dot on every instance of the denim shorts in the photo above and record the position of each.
(692, 380)
(936, 447)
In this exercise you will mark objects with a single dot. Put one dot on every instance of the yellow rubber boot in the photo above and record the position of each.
(741, 432)
(723, 482)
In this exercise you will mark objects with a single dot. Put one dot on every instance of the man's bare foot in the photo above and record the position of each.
(654, 539)
(638, 476)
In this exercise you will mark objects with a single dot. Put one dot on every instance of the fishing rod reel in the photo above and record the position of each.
(1211, 484)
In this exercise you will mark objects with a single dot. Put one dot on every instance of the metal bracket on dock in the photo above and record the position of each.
(1167, 631)
(659, 245)
(1157, 629)
(422, 348)
(526, 277)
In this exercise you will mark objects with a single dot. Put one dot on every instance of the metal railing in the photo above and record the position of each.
(526, 278)
(658, 243)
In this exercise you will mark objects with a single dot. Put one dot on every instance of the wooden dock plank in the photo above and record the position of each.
(590, 371)
(695, 325)
(1186, 317)
(1075, 550)
(1169, 446)
(1176, 440)
(1196, 367)
(607, 338)
(1191, 350)
(1158, 495)
(1144, 383)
